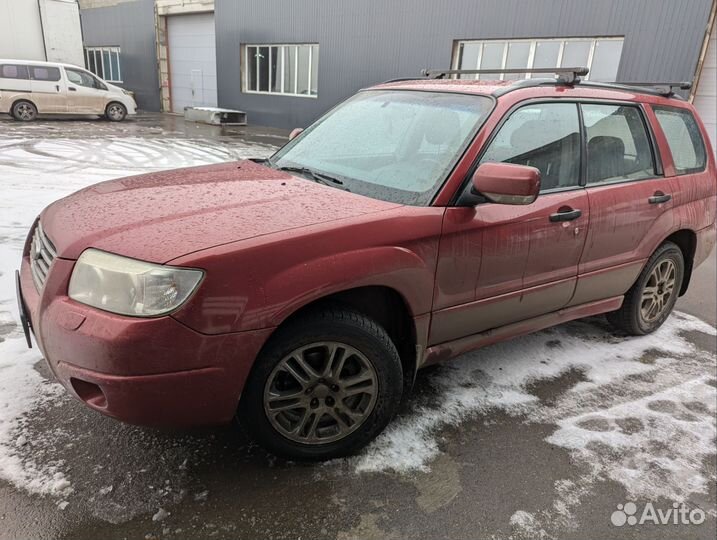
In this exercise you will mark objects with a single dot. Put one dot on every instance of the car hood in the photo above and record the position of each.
(160, 216)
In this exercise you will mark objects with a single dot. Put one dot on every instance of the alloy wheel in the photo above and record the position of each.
(115, 112)
(320, 393)
(25, 111)
(658, 291)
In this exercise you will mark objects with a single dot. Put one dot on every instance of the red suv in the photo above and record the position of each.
(414, 222)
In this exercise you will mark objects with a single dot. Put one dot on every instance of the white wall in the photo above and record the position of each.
(706, 93)
(21, 30)
(63, 33)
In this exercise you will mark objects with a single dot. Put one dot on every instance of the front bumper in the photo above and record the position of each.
(154, 372)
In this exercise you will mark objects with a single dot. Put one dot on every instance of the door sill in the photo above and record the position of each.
(450, 349)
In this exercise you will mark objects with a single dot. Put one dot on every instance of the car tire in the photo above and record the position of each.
(652, 298)
(349, 417)
(115, 112)
(24, 111)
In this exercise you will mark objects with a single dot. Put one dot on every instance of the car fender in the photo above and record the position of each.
(395, 267)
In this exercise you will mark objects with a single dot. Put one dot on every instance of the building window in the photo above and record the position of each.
(289, 70)
(600, 55)
(104, 62)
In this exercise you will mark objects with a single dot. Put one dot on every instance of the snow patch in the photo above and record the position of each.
(643, 415)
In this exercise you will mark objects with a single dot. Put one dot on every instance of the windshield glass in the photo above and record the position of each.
(397, 146)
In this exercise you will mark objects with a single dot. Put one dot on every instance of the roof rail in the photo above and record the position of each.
(663, 88)
(565, 75)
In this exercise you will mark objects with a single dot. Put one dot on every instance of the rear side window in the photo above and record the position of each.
(683, 137)
(617, 143)
(12, 71)
(45, 73)
(545, 136)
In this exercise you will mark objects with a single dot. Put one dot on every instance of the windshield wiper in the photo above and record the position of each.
(321, 178)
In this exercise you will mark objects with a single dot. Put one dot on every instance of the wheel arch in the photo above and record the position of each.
(20, 99)
(686, 240)
(383, 304)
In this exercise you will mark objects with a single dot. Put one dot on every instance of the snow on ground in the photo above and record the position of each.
(35, 171)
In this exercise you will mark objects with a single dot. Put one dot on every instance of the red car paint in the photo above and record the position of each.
(271, 243)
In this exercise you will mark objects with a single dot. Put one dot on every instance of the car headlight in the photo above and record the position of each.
(128, 286)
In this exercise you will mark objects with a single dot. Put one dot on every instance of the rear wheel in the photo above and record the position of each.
(24, 111)
(115, 112)
(324, 387)
(653, 296)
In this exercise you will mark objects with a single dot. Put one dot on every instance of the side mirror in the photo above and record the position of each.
(295, 133)
(506, 183)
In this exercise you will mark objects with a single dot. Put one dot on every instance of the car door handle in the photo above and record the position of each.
(566, 214)
(659, 197)
(72, 89)
(57, 87)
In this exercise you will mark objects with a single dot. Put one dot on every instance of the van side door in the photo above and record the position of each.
(48, 89)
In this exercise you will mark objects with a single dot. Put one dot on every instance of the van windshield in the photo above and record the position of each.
(393, 145)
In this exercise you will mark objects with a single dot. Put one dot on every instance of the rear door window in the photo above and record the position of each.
(683, 137)
(14, 71)
(618, 147)
(545, 136)
(45, 73)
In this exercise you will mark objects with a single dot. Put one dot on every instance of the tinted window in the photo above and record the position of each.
(683, 138)
(617, 143)
(81, 78)
(10, 71)
(43, 73)
(545, 136)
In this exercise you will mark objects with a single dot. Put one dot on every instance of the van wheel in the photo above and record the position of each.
(115, 112)
(24, 111)
(651, 299)
(324, 386)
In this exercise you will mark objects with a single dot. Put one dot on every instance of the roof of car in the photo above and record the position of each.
(530, 88)
(36, 63)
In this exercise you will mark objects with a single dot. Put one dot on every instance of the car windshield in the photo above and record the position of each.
(393, 145)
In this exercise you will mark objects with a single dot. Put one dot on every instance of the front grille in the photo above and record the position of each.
(42, 253)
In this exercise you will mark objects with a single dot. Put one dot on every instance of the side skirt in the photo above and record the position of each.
(451, 349)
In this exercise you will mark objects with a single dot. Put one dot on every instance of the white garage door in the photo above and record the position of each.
(706, 93)
(192, 61)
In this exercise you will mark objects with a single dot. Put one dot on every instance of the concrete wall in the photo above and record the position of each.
(21, 30)
(363, 42)
(131, 26)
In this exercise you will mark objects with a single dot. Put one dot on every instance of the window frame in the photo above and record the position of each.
(455, 60)
(463, 189)
(656, 162)
(101, 49)
(693, 170)
(244, 69)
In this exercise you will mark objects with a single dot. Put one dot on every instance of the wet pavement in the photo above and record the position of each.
(542, 436)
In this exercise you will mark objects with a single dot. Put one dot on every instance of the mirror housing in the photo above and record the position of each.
(295, 133)
(506, 183)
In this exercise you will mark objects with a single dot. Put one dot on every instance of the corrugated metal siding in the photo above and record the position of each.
(363, 42)
(706, 93)
(130, 26)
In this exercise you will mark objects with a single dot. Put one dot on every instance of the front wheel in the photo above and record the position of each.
(324, 387)
(115, 112)
(653, 296)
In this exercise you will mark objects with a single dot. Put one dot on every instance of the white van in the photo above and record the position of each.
(29, 88)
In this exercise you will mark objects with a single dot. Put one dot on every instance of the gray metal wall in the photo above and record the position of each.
(130, 26)
(363, 42)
